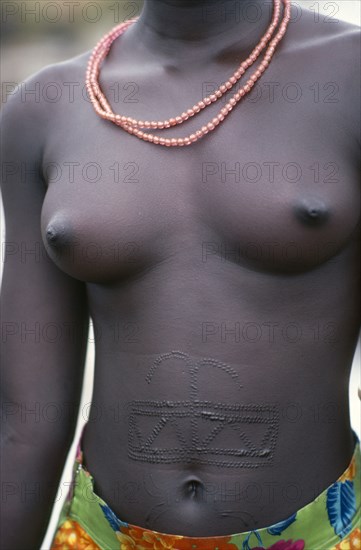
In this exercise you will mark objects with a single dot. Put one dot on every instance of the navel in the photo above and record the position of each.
(193, 488)
(312, 211)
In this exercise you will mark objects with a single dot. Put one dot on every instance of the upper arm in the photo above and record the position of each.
(349, 79)
(44, 312)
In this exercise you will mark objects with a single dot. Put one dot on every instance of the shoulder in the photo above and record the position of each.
(325, 54)
(70, 71)
(46, 87)
(313, 31)
(327, 44)
(31, 106)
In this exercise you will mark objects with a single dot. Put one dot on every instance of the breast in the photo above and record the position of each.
(116, 237)
(97, 241)
(290, 232)
(232, 204)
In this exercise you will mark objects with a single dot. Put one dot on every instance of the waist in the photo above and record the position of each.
(323, 523)
(174, 467)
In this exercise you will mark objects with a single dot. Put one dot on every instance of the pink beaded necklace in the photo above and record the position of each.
(133, 126)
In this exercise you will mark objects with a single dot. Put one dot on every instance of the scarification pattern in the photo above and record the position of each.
(144, 443)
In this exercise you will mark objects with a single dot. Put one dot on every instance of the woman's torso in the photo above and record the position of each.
(222, 281)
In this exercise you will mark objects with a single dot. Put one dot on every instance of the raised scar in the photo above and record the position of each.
(144, 445)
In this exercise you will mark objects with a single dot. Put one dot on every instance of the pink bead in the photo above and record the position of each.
(132, 125)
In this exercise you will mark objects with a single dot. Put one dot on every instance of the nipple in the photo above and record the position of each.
(56, 233)
(312, 211)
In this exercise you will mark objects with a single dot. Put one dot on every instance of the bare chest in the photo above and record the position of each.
(276, 185)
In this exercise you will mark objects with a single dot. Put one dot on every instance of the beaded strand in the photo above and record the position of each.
(132, 125)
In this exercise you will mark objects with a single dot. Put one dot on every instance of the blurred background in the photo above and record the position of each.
(38, 33)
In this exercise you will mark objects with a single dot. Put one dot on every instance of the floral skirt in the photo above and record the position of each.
(330, 522)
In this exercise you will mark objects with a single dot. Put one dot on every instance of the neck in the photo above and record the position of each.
(175, 28)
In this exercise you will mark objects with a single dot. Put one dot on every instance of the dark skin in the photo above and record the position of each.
(208, 290)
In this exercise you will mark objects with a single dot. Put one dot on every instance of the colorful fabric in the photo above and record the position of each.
(331, 522)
